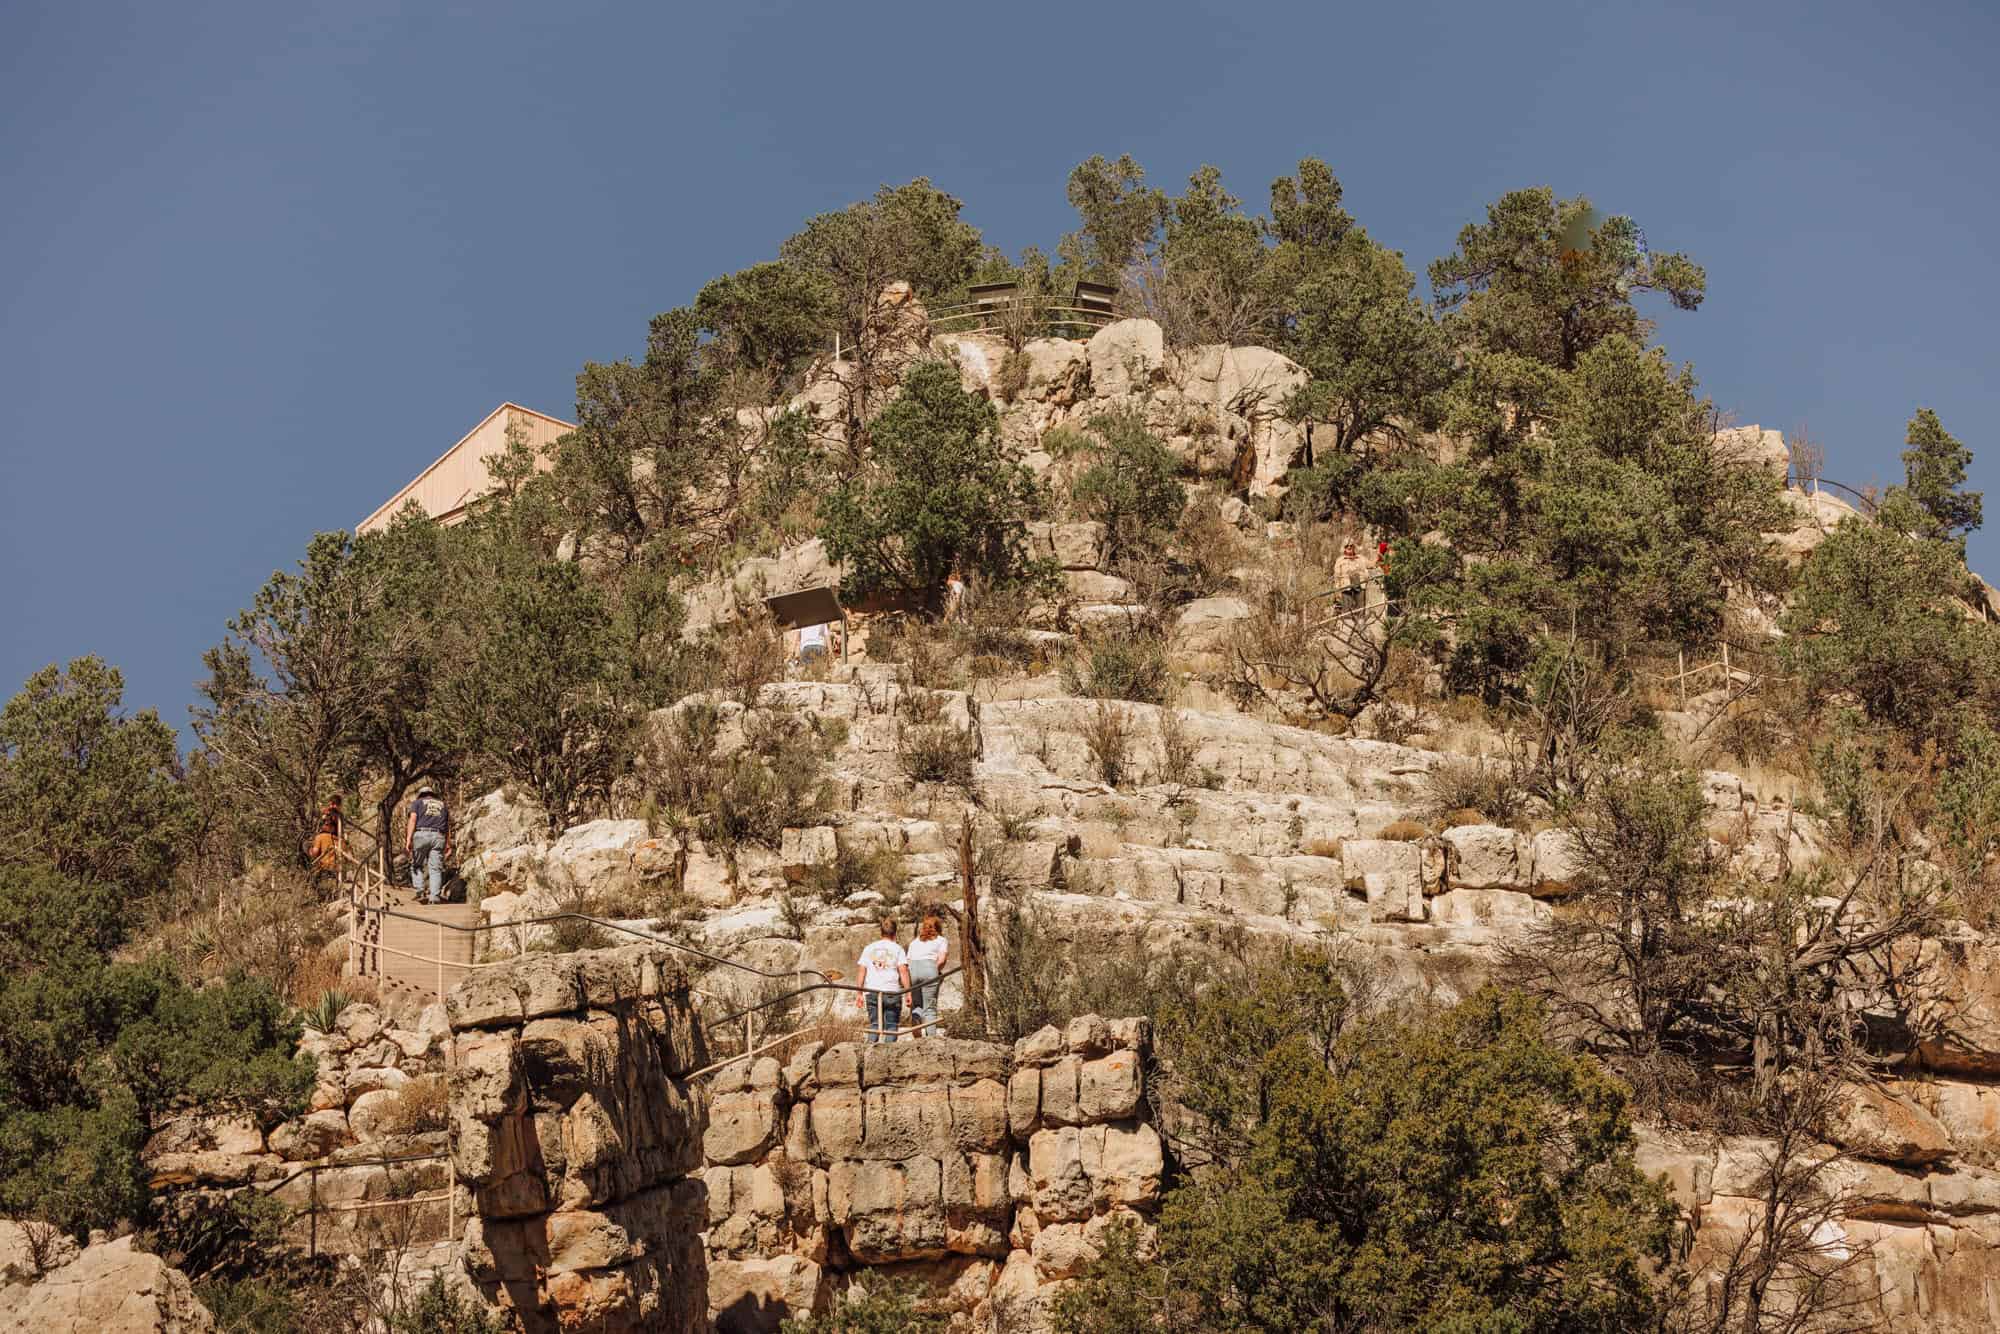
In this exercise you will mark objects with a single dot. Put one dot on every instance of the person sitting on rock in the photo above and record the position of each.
(885, 982)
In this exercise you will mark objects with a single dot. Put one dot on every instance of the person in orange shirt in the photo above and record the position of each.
(323, 854)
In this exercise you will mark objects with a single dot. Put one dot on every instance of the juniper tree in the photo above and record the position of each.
(1934, 468)
(1536, 279)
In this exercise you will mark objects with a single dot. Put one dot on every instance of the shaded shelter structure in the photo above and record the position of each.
(808, 607)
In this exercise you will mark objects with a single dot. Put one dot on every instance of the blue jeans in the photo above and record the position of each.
(885, 1015)
(924, 986)
(428, 845)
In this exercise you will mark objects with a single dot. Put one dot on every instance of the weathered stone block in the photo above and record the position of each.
(742, 1126)
(485, 999)
(1061, 1096)
(979, 1117)
(1110, 1088)
(1486, 856)
(1024, 1103)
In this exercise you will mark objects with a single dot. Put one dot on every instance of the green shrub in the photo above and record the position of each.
(1484, 787)
(776, 781)
(1108, 732)
(1064, 442)
(892, 1308)
(219, 1236)
(250, 1305)
(941, 490)
(851, 871)
(1445, 1170)
(937, 752)
(1013, 381)
(1130, 485)
(1120, 664)
(571, 933)
(441, 1310)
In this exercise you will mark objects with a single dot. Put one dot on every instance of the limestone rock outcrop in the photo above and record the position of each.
(579, 1139)
(109, 1288)
(964, 1161)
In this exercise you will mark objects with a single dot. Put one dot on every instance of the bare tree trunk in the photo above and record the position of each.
(975, 960)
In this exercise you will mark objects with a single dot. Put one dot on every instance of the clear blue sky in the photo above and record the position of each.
(259, 263)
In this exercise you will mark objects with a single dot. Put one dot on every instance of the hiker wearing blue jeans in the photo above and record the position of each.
(927, 954)
(427, 841)
(885, 982)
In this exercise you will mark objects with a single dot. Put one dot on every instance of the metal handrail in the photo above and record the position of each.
(1869, 504)
(648, 936)
(798, 1033)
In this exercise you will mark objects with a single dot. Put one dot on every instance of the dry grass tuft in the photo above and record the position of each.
(421, 1105)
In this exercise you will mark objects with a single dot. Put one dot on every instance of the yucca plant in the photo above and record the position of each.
(325, 1012)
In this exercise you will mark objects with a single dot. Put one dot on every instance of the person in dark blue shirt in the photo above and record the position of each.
(427, 842)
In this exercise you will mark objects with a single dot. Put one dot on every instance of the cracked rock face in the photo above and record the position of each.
(108, 1288)
(958, 1161)
(580, 1141)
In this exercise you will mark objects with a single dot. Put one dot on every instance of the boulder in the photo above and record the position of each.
(109, 1288)
(1251, 384)
(1487, 907)
(360, 1024)
(1818, 513)
(803, 850)
(757, 1296)
(1556, 863)
(368, 1078)
(1400, 864)
(742, 1125)
(596, 858)
(1125, 357)
(1204, 625)
(1074, 546)
(1754, 447)
(503, 818)
(1485, 856)
(1238, 378)
(375, 1115)
(1093, 586)
(1872, 1122)
(312, 1136)
(1056, 366)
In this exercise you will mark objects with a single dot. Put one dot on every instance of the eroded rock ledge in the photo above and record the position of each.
(576, 1131)
(985, 1172)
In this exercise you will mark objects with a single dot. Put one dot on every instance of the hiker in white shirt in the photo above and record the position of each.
(927, 959)
(885, 979)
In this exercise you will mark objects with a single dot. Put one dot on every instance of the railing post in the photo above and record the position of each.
(440, 960)
(312, 1208)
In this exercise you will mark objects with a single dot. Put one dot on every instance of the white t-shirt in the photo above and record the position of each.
(933, 949)
(880, 963)
(813, 636)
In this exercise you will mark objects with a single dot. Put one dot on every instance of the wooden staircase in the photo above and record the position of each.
(401, 943)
